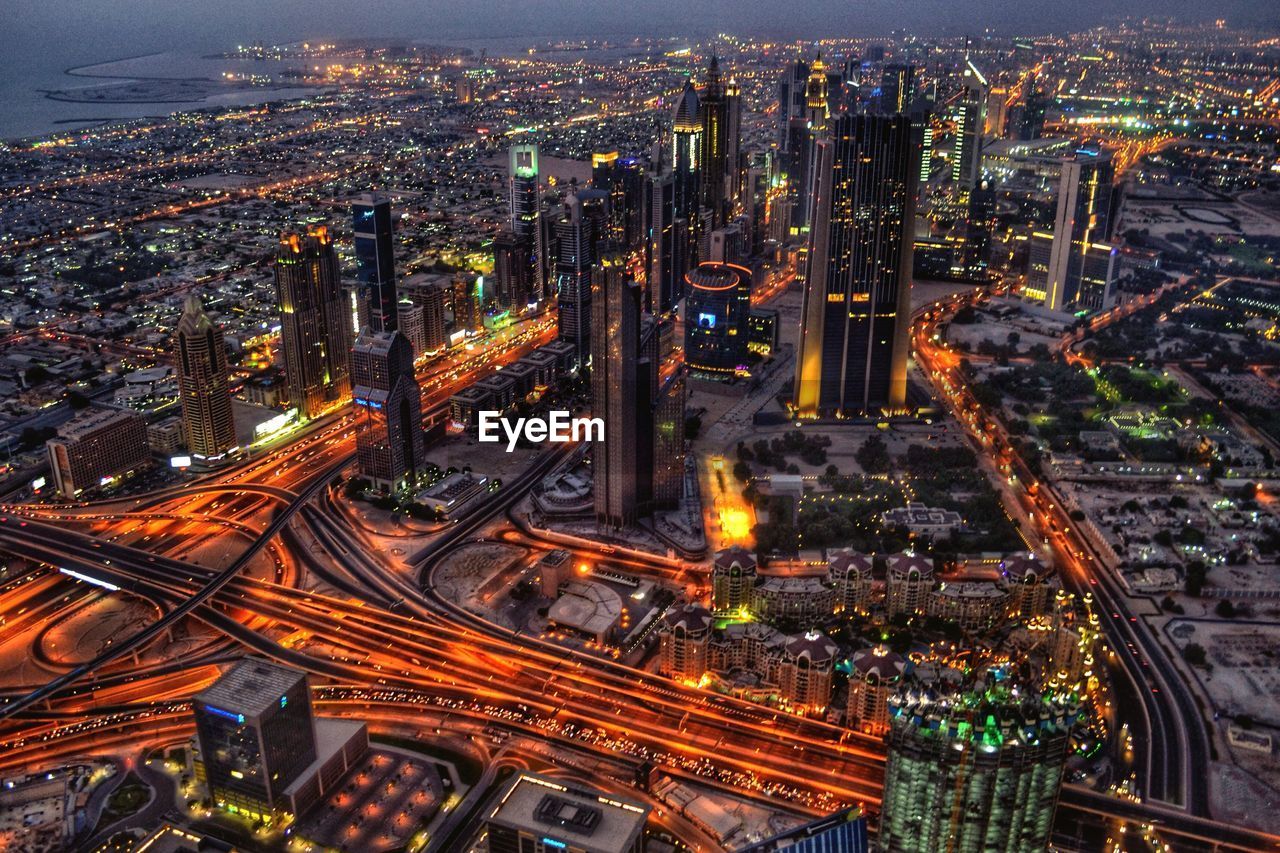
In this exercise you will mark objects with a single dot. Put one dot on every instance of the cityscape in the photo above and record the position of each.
(710, 440)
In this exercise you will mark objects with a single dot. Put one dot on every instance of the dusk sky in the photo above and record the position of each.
(152, 24)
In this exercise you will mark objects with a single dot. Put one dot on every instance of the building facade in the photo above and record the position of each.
(315, 321)
(207, 421)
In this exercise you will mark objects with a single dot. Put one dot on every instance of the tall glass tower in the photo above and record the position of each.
(857, 297)
(526, 214)
(389, 442)
(615, 352)
(375, 263)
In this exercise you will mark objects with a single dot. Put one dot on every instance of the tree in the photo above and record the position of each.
(1225, 609)
(692, 426)
(1194, 654)
(873, 455)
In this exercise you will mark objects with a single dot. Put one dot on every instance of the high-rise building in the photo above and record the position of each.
(854, 323)
(412, 320)
(687, 166)
(1074, 264)
(96, 448)
(526, 214)
(969, 113)
(1028, 119)
(624, 180)
(315, 332)
(733, 159)
(432, 297)
(390, 448)
(715, 324)
(577, 233)
(715, 144)
(974, 772)
(539, 814)
(668, 444)
(874, 675)
(375, 263)
(791, 99)
(614, 391)
(666, 246)
(207, 421)
(512, 286)
(897, 88)
(683, 637)
(465, 297)
(256, 735)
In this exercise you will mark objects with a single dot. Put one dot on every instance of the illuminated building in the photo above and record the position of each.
(666, 245)
(526, 214)
(842, 832)
(801, 150)
(874, 675)
(375, 263)
(315, 332)
(897, 88)
(762, 330)
(1073, 265)
(804, 670)
(791, 100)
(973, 772)
(717, 305)
(465, 293)
(614, 392)
(256, 735)
(799, 599)
(851, 574)
(1028, 121)
(852, 353)
(538, 814)
(412, 321)
(388, 406)
(909, 580)
(578, 232)
(207, 421)
(715, 144)
(95, 449)
(623, 179)
(969, 113)
(972, 605)
(683, 638)
(686, 134)
(511, 271)
(1029, 587)
(431, 297)
(733, 580)
(732, 146)
(669, 449)
(979, 230)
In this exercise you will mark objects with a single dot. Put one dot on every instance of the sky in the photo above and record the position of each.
(105, 25)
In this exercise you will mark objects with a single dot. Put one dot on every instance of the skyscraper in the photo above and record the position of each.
(375, 263)
(1074, 264)
(390, 448)
(733, 159)
(623, 179)
(614, 364)
(207, 420)
(974, 772)
(466, 304)
(803, 149)
(577, 233)
(256, 735)
(526, 214)
(715, 143)
(511, 271)
(315, 331)
(854, 322)
(686, 132)
(897, 88)
(791, 100)
(969, 113)
(666, 245)
(432, 297)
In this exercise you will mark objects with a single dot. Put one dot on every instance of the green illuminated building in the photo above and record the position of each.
(974, 772)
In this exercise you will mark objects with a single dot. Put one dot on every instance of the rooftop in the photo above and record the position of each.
(580, 817)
